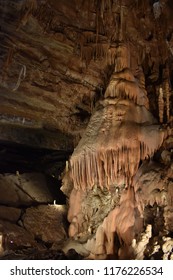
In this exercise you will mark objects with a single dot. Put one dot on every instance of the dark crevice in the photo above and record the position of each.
(16, 157)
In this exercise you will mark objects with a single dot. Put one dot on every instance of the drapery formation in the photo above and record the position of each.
(121, 133)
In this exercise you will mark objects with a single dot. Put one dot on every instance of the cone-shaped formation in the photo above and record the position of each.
(121, 132)
(124, 88)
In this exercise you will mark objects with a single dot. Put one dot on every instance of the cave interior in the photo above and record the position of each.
(86, 129)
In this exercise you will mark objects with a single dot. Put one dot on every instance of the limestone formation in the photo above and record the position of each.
(121, 133)
(47, 223)
(86, 87)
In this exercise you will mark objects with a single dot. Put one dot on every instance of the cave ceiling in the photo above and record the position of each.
(57, 57)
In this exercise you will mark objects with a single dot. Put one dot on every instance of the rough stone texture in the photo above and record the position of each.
(153, 218)
(46, 222)
(10, 214)
(24, 189)
(15, 237)
(120, 135)
(37, 137)
(154, 184)
(57, 57)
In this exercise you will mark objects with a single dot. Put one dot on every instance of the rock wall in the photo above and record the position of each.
(30, 218)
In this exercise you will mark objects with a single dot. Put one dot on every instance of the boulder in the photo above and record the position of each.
(46, 222)
(15, 237)
(24, 189)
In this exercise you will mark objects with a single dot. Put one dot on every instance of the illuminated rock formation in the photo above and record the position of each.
(121, 133)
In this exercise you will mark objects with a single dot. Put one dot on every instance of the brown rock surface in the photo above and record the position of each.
(15, 237)
(44, 81)
(24, 189)
(46, 222)
(10, 214)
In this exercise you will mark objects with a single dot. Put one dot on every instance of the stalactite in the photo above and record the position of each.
(28, 7)
(89, 37)
(139, 74)
(124, 89)
(90, 40)
(97, 26)
(99, 160)
(7, 63)
(115, 142)
(105, 4)
(100, 50)
(167, 92)
(169, 47)
(157, 10)
(105, 48)
(22, 75)
(93, 51)
(161, 105)
(111, 55)
(121, 33)
(87, 53)
(123, 57)
(122, 83)
(120, 133)
(42, 12)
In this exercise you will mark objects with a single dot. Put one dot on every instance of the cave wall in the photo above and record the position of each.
(32, 215)
(51, 53)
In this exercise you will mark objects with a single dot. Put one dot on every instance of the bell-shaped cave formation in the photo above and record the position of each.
(86, 129)
(120, 135)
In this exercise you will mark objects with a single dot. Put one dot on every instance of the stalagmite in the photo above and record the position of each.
(1, 244)
(161, 104)
(140, 246)
(115, 129)
(120, 133)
